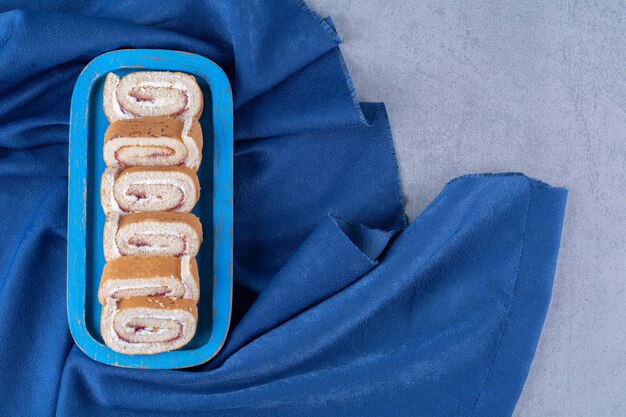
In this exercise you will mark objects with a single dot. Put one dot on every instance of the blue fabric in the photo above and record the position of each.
(339, 307)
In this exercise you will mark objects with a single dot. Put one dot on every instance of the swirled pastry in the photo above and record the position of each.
(154, 276)
(148, 325)
(153, 141)
(151, 234)
(150, 94)
(139, 189)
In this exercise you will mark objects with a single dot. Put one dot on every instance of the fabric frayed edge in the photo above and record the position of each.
(330, 30)
(537, 182)
(329, 27)
(396, 167)
(351, 89)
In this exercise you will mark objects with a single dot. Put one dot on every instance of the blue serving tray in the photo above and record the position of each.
(85, 258)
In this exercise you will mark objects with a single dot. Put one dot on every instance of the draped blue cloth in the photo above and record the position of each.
(340, 308)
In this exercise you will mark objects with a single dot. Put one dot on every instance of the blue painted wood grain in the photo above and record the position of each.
(215, 207)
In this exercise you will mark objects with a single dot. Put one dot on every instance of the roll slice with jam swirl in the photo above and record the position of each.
(148, 325)
(153, 141)
(151, 234)
(152, 94)
(139, 189)
(150, 276)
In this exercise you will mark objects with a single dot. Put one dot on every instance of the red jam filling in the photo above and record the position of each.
(137, 329)
(139, 195)
(163, 152)
(138, 242)
(139, 98)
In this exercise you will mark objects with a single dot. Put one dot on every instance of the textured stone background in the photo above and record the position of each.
(531, 86)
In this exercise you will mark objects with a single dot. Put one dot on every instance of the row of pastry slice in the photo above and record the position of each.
(149, 287)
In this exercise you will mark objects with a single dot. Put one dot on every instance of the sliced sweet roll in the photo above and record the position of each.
(151, 234)
(153, 141)
(148, 325)
(150, 94)
(150, 276)
(138, 189)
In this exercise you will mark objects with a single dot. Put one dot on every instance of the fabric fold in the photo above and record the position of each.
(335, 254)
(313, 172)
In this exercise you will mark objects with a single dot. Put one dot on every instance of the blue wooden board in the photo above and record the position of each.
(85, 258)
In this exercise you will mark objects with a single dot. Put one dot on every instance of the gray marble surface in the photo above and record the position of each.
(532, 86)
